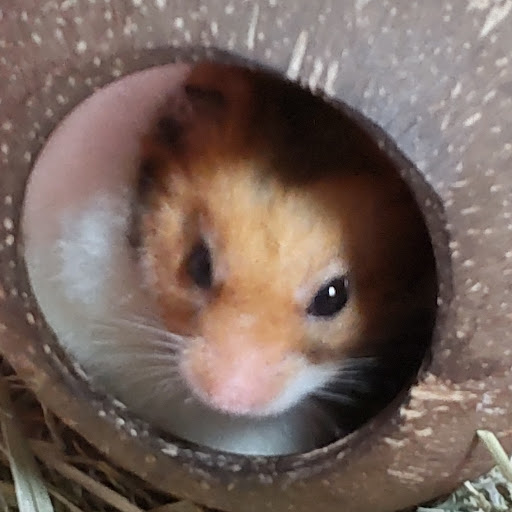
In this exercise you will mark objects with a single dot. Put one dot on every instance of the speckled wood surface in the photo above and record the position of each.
(437, 79)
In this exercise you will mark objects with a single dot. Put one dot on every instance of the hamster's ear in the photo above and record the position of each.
(165, 139)
(220, 93)
(167, 132)
(206, 102)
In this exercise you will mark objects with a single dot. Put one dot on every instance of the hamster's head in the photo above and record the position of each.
(258, 276)
(273, 286)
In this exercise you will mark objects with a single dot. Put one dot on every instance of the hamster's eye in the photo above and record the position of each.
(199, 265)
(329, 299)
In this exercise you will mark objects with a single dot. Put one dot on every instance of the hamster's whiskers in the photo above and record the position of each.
(349, 382)
(356, 364)
(141, 324)
(181, 294)
(160, 339)
(158, 377)
(323, 419)
(168, 359)
(340, 397)
(148, 360)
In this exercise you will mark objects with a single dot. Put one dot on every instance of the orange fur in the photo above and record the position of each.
(276, 216)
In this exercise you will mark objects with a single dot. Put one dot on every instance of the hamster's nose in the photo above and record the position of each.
(243, 383)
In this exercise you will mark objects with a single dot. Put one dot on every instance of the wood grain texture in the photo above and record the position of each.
(437, 79)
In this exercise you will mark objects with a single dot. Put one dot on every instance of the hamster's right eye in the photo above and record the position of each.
(330, 298)
(199, 265)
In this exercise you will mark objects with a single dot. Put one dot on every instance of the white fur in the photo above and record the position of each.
(88, 287)
(306, 380)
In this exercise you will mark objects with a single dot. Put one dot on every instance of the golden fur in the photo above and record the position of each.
(279, 226)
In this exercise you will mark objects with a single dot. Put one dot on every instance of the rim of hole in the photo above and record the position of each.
(430, 206)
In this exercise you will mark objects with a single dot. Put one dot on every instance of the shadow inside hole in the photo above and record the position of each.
(303, 208)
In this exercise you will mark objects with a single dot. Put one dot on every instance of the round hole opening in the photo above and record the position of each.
(236, 259)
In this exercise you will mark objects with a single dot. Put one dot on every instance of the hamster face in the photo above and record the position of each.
(273, 285)
(263, 276)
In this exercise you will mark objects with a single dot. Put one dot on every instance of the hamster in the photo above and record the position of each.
(277, 279)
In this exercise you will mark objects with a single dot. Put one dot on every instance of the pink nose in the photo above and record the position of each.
(238, 386)
(241, 392)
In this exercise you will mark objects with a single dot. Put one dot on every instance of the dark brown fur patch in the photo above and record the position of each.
(202, 99)
(145, 182)
(169, 131)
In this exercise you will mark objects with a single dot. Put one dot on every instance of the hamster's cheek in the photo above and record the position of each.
(306, 380)
(342, 335)
(179, 317)
(179, 303)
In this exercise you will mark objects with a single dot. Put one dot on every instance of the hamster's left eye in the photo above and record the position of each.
(330, 298)
(199, 265)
